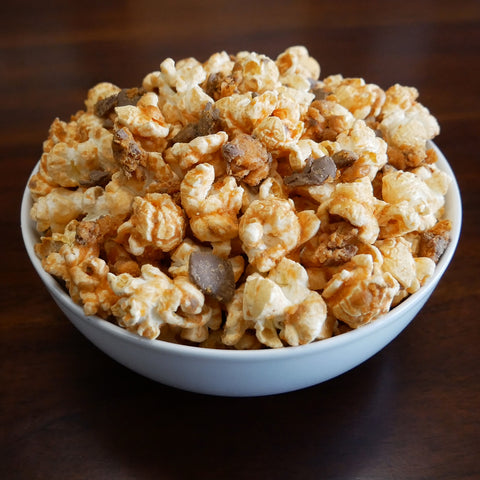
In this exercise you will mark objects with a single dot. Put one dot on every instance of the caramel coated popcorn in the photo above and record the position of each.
(242, 202)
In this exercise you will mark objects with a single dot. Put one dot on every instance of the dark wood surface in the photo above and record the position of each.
(67, 411)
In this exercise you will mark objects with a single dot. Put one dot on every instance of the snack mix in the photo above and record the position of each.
(242, 202)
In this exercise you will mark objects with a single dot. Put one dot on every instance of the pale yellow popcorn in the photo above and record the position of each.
(186, 107)
(144, 119)
(282, 307)
(184, 74)
(307, 321)
(236, 325)
(407, 125)
(219, 62)
(362, 99)
(413, 201)
(269, 230)
(297, 68)
(243, 112)
(211, 207)
(150, 302)
(356, 203)
(361, 291)
(258, 73)
(398, 260)
(156, 221)
(56, 209)
(371, 150)
(209, 319)
(201, 149)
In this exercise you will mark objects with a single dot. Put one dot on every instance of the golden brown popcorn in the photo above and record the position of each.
(119, 260)
(84, 274)
(406, 125)
(212, 207)
(145, 121)
(361, 99)
(361, 291)
(247, 159)
(78, 153)
(355, 202)
(156, 221)
(202, 149)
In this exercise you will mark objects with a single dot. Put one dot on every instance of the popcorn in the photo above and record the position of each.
(297, 68)
(57, 209)
(199, 150)
(257, 72)
(145, 119)
(85, 276)
(282, 301)
(361, 291)
(211, 207)
(406, 125)
(76, 154)
(361, 99)
(356, 203)
(156, 221)
(150, 302)
(269, 230)
(413, 203)
(242, 202)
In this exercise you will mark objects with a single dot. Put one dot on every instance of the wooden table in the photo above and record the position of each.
(67, 411)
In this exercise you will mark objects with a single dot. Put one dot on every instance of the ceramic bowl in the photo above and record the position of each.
(247, 373)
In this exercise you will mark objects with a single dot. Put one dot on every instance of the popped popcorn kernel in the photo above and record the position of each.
(242, 202)
(361, 291)
(212, 208)
(156, 221)
(269, 229)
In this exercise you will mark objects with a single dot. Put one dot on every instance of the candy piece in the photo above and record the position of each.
(213, 275)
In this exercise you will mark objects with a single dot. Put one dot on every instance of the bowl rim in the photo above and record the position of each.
(29, 235)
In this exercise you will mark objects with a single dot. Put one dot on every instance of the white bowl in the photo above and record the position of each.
(247, 373)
